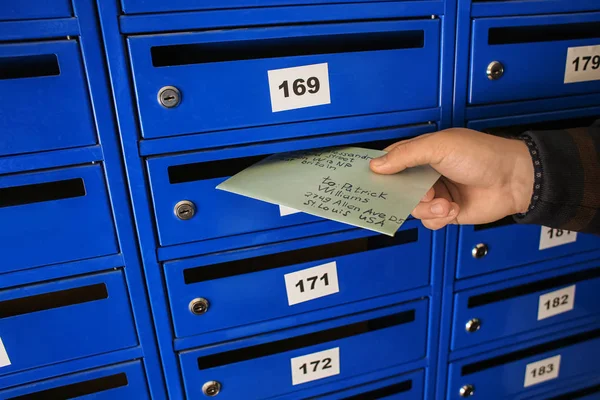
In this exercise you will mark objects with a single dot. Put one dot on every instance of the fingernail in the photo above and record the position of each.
(437, 209)
(452, 212)
(378, 162)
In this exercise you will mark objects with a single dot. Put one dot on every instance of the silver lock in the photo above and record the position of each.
(184, 210)
(211, 388)
(169, 96)
(467, 391)
(473, 325)
(495, 70)
(479, 251)
(199, 306)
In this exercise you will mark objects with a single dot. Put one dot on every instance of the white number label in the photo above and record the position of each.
(299, 87)
(542, 371)
(551, 237)
(315, 366)
(311, 283)
(283, 211)
(556, 302)
(583, 64)
(4, 360)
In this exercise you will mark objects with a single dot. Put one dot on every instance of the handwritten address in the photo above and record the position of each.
(348, 199)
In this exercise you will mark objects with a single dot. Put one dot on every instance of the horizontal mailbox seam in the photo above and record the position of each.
(48, 301)
(78, 389)
(191, 172)
(529, 352)
(528, 288)
(578, 393)
(298, 256)
(311, 339)
(396, 388)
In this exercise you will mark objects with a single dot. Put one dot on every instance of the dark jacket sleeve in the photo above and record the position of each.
(567, 184)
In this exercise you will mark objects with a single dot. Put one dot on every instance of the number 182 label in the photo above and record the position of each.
(299, 87)
(556, 302)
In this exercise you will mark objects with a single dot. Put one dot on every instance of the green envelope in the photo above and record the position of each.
(336, 184)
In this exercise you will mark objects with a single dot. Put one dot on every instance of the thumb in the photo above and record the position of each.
(406, 154)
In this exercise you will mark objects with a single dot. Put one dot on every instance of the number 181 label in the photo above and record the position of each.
(4, 360)
(552, 237)
(299, 87)
(583, 64)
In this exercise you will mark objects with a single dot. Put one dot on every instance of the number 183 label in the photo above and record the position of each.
(542, 371)
(299, 87)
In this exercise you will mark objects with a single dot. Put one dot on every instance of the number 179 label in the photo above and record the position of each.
(299, 87)
(583, 64)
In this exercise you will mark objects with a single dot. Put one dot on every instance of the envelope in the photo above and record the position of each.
(336, 184)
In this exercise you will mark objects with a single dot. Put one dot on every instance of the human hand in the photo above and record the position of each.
(484, 177)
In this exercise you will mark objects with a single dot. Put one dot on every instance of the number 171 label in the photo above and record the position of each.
(299, 87)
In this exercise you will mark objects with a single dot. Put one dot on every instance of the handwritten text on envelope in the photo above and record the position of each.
(336, 184)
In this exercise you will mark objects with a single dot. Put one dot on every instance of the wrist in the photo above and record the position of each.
(523, 177)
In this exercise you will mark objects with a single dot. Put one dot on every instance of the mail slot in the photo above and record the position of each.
(121, 381)
(534, 57)
(63, 320)
(503, 244)
(34, 9)
(518, 306)
(205, 81)
(526, 368)
(46, 105)
(54, 216)
(347, 347)
(285, 280)
(152, 6)
(191, 179)
(585, 393)
(402, 387)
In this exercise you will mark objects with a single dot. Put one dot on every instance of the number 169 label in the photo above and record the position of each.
(299, 87)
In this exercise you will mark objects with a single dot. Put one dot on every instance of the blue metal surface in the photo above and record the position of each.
(99, 84)
(116, 382)
(60, 230)
(530, 7)
(510, 246)
(34, 9)
(504, 376)
(403, 387)
(232, 296)
(512, 306)
(42, 105)
(154, 6)
(359, 353)
(57, 321)
(237, 95)
(523, 62)
(264, 16)
(220, 214)
(345, 125)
